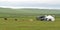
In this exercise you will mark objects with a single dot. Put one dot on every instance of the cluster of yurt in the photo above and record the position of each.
(46, 18)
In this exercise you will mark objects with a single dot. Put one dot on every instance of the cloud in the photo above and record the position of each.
(39, 1)
(48, 2)
(31, 3)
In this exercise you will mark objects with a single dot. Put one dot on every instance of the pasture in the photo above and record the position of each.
(23, 20)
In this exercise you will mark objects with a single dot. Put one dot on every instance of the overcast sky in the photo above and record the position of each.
(31, 3)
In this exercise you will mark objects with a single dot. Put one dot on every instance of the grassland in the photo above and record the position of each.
(23, 17)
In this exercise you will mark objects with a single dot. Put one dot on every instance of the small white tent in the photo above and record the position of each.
(49, 18)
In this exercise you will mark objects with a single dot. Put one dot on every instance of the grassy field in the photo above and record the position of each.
(23, 20)
(24, 23)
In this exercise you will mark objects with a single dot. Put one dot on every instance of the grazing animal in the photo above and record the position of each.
(15, 19)
(5, 18)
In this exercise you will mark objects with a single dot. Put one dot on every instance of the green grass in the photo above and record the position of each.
(26, 12)
(23, 23)
(24, 16)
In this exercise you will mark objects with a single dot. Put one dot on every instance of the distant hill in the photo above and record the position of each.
(15, 12)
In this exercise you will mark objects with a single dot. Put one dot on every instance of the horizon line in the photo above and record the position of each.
(12, 7)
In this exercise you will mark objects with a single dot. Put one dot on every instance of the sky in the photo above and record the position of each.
(31, 3)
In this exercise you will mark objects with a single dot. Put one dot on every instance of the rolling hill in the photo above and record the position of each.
(18, 12)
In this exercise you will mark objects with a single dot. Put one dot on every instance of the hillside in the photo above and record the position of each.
(18, 12)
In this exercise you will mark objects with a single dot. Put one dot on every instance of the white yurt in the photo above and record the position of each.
(49, 18)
